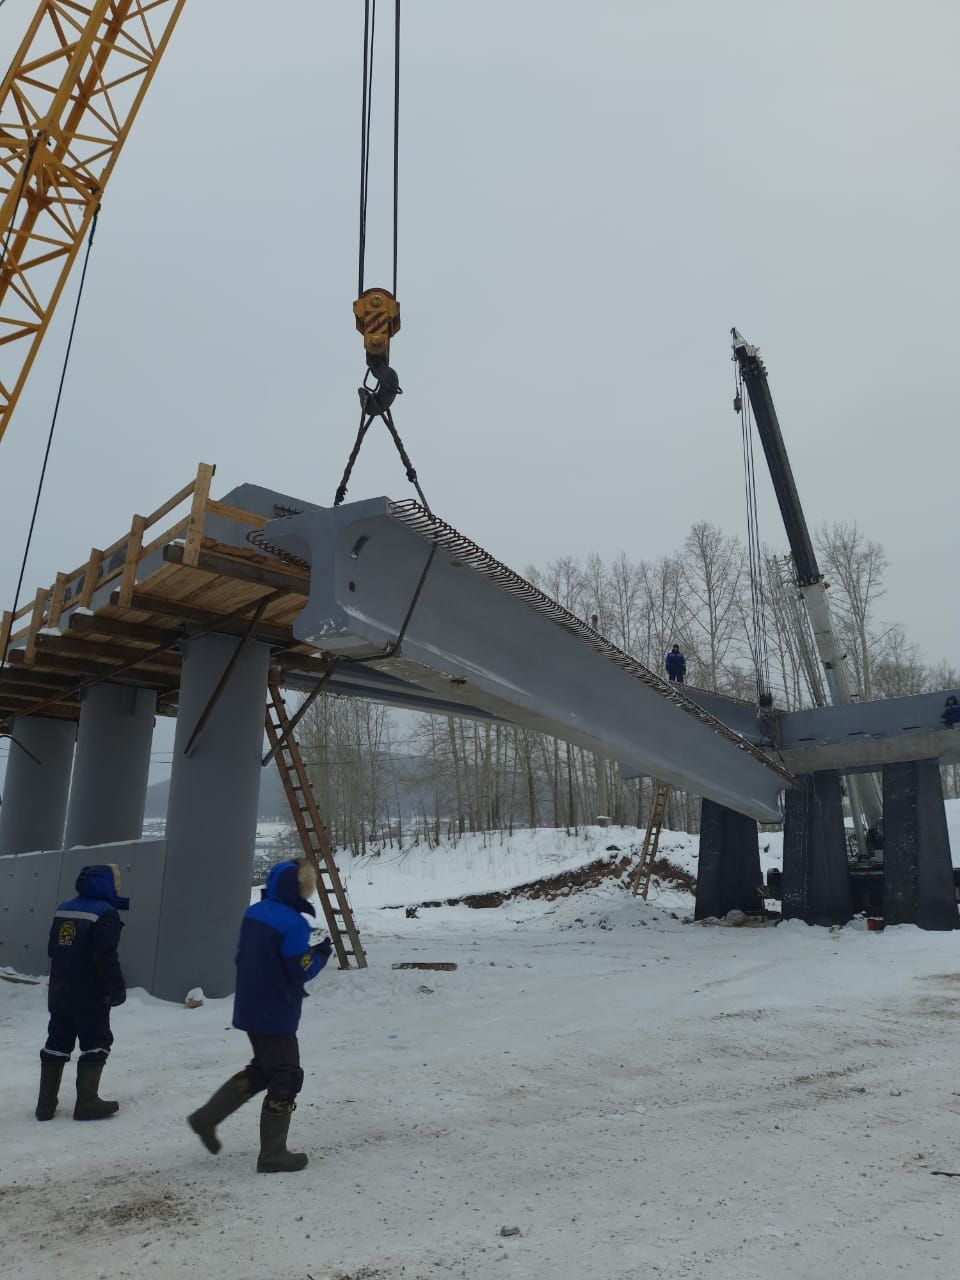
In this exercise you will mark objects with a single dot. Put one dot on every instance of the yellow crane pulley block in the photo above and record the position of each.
(378, 319)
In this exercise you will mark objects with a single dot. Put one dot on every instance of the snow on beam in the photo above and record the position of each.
(480, 636)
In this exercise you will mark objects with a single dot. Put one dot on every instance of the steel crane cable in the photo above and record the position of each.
(53, 427)
(376, 403)
(366, 118)
(758, 637)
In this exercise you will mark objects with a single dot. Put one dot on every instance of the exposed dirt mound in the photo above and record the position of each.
(613, 867)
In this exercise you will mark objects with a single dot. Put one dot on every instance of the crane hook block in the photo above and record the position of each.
(378, 319)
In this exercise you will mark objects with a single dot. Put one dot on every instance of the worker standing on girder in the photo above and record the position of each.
(274, 962)
(676, 665)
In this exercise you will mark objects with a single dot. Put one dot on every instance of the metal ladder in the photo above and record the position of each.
(640, 878)
(313, 834)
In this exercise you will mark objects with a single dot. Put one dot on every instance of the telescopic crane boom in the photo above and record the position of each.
(862, 791)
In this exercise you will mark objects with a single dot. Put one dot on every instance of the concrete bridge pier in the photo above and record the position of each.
(728, 874)
(816, 881)
(211, 817)
(112, 764)
(918, 885)
(36, 785)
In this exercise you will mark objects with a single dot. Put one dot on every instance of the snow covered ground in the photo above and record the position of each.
(638, 1096)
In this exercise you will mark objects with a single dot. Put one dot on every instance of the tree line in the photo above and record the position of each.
(378, 774)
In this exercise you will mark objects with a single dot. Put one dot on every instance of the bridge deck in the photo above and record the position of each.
(480, 641)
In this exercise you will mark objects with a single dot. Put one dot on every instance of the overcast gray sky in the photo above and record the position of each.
(592, 194)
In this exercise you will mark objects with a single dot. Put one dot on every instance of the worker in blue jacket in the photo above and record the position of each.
(86, 982)
(950, 715)
(676, 665)
(274, 962)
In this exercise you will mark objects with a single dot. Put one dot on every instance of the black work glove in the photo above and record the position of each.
(323, 950)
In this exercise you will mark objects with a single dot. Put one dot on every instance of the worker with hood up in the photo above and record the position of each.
(86, 982)
(274, 962)
(676, 665)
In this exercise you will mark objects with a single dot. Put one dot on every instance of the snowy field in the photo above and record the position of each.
(639, 1097)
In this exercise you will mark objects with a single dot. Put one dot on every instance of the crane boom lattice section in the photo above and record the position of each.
(67, 103)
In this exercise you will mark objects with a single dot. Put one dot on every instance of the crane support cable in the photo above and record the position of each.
(396, 137)
(366, 106)
(53, 427)
(376, 310)
(366, 128)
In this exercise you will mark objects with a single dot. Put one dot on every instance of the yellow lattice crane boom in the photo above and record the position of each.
(66, 106)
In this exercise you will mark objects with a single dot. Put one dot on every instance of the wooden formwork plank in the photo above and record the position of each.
(106, 627)
(150, 608)
(168, 535)
(180, 496)
(198, 508)
(56, 601)
(236, 513)
(128, 574)
(36, 622)
(90, 578)
(97, 649)
(57, 709)
(224, 566)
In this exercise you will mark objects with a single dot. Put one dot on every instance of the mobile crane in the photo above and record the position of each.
(862, 790)
(67, 103)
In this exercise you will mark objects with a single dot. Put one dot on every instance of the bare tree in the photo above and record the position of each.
(712, 570)
(855, 566)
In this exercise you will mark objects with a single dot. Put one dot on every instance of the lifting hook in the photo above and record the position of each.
(378, 318)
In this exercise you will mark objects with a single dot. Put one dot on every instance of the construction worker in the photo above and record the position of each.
(676, 665)
(274, 962)
(86, 982)
(950, 715)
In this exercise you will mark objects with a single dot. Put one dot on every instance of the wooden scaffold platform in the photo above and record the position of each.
(121, 617)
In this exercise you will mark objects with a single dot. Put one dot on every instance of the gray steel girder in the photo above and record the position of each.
(481, 638)
(866, 735)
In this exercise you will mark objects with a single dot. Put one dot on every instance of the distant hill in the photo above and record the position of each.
(273, 803)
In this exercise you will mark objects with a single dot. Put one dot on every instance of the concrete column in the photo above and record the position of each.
(110, 771)
(35, 791)
(211, 818)
(918, 885)
(816, 879)
(728, 874)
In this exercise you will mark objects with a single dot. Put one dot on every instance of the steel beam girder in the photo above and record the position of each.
(477, 636)
(866, 735)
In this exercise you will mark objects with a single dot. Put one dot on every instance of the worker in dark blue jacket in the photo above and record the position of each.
(274, 961)
(86, 982)
(950, 715)
(676, 665)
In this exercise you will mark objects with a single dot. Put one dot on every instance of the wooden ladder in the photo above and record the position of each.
(640, 879)
(313, 834)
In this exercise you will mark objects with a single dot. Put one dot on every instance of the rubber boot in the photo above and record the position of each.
(274, 1127)
(90, 1106)
(224, 1102)
(51, 1073)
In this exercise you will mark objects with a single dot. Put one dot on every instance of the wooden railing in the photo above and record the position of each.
(120, 561)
